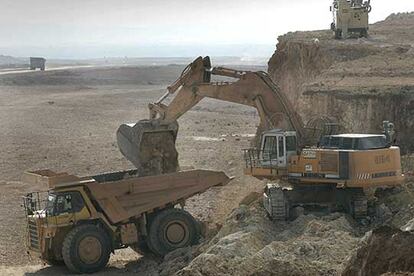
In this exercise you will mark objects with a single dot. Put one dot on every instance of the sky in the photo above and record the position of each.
(117, 28)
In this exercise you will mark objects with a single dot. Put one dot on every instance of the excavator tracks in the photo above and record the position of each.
(358, 205)
(276, 203)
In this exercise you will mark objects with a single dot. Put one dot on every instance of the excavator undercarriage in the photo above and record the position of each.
(279, 201)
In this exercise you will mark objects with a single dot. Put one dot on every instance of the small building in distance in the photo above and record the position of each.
(37, 62)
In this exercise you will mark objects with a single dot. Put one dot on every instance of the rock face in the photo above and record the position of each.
(357, 82)
(385, 249)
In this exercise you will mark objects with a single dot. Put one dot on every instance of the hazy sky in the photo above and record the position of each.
(96, 28)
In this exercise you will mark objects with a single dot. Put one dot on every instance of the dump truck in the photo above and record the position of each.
(79, 221)
(37, 62)
(305, 164)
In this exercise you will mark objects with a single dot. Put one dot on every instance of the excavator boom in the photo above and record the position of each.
(150, 140)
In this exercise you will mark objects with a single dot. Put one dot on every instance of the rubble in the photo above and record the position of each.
(385, 249)
(250, 244)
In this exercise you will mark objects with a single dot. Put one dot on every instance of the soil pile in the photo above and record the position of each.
(250, 244)
(385, 249)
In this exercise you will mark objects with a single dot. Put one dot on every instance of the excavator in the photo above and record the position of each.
(305, 165)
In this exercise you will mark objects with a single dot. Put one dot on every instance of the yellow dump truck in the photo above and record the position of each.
(79, 221)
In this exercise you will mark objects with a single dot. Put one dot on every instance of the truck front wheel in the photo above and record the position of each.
(86, 249)
(172, 229)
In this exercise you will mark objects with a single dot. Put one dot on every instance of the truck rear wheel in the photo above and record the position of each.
(172, 229)
(86, 249)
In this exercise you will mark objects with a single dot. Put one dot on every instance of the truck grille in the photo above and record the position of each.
(33, 235)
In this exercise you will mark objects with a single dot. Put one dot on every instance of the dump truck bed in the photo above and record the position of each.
(123, 195)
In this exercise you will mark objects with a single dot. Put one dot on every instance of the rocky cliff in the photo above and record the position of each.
(357, 82)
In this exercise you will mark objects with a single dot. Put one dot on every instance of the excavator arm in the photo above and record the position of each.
(254, 89)
(152, 139)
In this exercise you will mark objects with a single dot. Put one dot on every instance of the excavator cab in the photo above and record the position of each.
(271, 159)
(276, 147)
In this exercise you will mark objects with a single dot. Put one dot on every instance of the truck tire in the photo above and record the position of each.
(86, 249)
(172, 229)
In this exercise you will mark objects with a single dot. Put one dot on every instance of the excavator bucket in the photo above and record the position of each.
(150, 146)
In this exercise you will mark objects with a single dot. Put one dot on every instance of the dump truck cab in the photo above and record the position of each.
(79, 221)
(51, 215)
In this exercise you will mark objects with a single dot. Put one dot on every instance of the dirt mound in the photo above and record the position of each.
(250, 244)
(396, 207)
(385, 249)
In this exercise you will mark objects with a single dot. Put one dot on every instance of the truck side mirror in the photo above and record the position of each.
(330, 8)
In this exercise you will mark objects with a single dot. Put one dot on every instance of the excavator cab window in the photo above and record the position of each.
(276, 148)
(281, 146)
(291, 143)
(270, 148)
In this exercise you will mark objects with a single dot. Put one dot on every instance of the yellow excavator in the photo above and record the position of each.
(318, 166)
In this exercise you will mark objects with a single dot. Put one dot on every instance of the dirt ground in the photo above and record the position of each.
(66, 121)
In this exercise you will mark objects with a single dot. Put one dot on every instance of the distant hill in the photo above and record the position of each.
(9, 60)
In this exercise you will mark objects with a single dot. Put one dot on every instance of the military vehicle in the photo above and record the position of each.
(350, 17)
